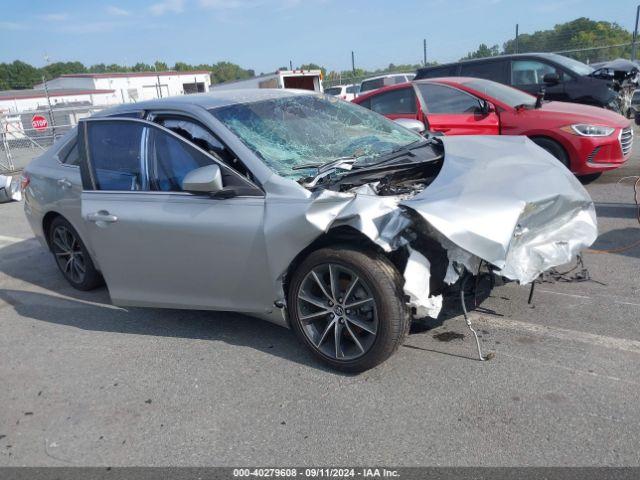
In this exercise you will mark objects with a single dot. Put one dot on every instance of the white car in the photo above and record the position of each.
(345, 92)
(374, 83)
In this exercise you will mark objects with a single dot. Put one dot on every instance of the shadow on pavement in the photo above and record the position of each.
(619, 238)
(28, 262)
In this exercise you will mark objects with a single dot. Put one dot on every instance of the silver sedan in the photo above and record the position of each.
(300, 209)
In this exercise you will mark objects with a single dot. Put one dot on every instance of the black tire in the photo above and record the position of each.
(554, 148)
(377, 278)
(64, 238)
(591, 177)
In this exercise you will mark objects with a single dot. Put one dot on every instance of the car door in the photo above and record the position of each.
(455, 112)
(155, 244)
(528, 75)
(396, 103)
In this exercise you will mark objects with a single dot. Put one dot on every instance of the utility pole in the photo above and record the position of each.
(424, 52)
(516, 38)
(46, 92)
(353, 63)
(635, 36)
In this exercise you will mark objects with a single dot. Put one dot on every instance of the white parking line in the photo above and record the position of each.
(5, 240)
(562, 333)
(604, 298)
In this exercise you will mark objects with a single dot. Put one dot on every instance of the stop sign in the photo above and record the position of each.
(39, 122)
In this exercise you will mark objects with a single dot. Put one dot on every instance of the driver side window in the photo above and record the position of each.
(441, 99)
(200, 136)
(531, 72)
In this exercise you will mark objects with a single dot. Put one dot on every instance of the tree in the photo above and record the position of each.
(581, 34)
(314, 66)
(227, 71)
(483, 51)
(160, 66)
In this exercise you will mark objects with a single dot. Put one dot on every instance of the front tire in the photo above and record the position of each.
(346, 305)
(554, 148)
(72, 256)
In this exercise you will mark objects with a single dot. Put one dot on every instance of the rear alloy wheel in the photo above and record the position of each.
(346, 307)
(72, 256)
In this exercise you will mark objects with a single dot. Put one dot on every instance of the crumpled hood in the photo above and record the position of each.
(508, 202)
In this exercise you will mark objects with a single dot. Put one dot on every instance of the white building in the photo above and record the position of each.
(136, 86)
(17, 101)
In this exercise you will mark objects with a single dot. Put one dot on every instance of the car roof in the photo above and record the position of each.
(209, 100)
(397, 86)
(387, 76)
(549, 56)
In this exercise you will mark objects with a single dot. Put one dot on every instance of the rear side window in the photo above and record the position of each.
(115, 155)
(495, 71)
(69, 154)
(396, 101)
(333, 91)
(441, 99)
(72, 157)
(372, 84)
(444, 71)
(353, 89)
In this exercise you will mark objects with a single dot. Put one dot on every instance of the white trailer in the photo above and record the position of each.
(300, 79)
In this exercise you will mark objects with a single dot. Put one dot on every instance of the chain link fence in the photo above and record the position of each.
(25, 135)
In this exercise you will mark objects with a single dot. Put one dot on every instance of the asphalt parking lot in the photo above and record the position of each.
(87, 383)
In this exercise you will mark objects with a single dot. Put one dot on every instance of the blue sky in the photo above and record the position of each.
(266, 34)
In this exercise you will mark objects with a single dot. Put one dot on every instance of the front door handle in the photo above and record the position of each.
(102, 216)
(64, 183)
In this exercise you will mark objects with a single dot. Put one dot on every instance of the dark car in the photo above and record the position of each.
(563, 79)
(634, 106)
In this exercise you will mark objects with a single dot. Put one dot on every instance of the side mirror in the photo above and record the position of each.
(486, 108)
(411, 124)
(203, 180)
(551, 79)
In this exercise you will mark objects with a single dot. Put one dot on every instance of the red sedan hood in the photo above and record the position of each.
(587, 113)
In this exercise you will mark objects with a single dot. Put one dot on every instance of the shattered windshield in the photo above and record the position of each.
(311, 129)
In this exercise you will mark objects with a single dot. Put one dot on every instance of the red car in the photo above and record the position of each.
(588, 140)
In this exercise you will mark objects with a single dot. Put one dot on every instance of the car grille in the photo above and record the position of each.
(626, 140)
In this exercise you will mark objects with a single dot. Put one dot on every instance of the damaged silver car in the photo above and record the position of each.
(301, 209)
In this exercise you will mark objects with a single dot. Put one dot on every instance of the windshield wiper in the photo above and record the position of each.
(321, 167)
(404, 150)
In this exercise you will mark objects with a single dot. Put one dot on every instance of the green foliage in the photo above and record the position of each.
(581, 35)
(20, 75)
(578, 34)
(483, 51)
(314, 66)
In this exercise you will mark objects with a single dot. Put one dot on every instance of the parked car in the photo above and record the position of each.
(634, 105)
(563, 79)
(345, 92)
(587, 140)
(297, 208)
(385, 80)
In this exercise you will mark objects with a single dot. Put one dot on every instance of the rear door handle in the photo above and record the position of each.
(64, 183)
(102, 216)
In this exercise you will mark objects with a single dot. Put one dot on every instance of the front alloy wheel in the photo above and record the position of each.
(347, 306)
(337, 311)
